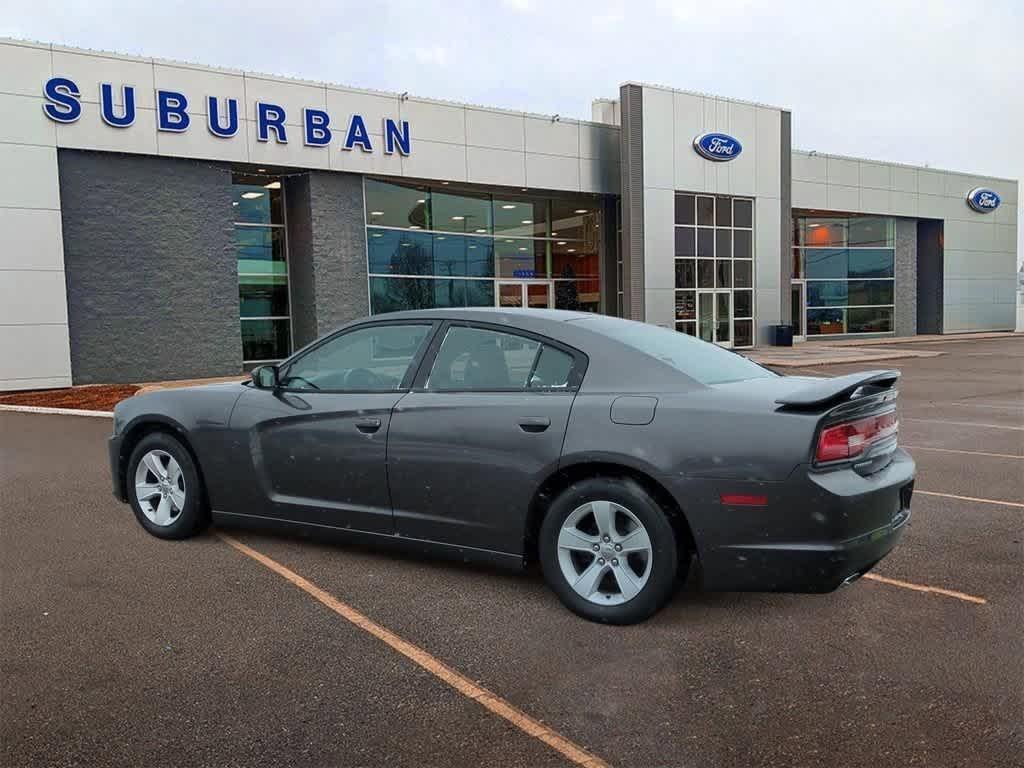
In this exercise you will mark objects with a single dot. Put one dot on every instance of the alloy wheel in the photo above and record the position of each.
(604, 552)
(160, 487)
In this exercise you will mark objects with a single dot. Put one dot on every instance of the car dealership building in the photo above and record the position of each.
(166, 220)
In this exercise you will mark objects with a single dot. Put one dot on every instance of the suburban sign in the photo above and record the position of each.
(63, 105)
(717, 146)
(983, 200)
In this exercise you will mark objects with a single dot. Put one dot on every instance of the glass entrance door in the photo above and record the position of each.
(798, 300)
(714, 316)
(535, 294)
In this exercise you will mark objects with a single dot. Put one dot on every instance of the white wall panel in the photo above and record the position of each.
(342, 104)
(660, 307)
(904, 179)
(24, 121)
(495, 166)
(768, 235)
(599, 141)
(290, 95)
(931, 182)
(549, 137)
(495, 130)
(768, 154)
(429, 121)
(295, 152)
(199, 84)
(599, 176)
(843, 198)
(32, 297)
(357, 161)
(875, 175)
(752, 170)
(843, 172)
(807, 167)
(436, 160)
(24, 68)
(34, 356)
(659, 243)
(35, 169)
(551, 171)
(198, 142)
(659, 139)
(88, 70)
(30, 239)
(875, 201)
(90, 132)
(809, 194)
(690, 168)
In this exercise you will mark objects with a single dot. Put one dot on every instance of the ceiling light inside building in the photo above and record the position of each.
(414, 226)
(561, 242)
(376, 213)
(572, 250)
(522, 249)
(422, 200)
(508, 206)
(251, 195)
(481, 230)
(581, 210)
(261, 170)
(527, 221)
(377, 234)
(272, 185)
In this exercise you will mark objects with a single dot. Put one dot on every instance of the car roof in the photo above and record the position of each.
(488, 314)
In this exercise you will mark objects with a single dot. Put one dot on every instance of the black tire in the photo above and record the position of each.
(664, 564)
(194, 515)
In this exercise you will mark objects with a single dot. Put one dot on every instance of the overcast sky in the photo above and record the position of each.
(936, 82)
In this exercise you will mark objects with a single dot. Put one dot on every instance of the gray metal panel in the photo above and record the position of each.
(786, 216)
(930, 271)
(632, 167)
(151, 270)
(905, 321)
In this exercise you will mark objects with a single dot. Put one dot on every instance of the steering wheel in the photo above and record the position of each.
(361, 378)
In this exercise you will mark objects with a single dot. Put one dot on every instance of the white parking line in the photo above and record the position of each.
(962, 423)
(969, 453)
(925, 588)
(970, 498)
(56, 411)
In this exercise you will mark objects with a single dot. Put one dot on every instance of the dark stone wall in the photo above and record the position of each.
(327, 252)
(905, 268)
(150, 266)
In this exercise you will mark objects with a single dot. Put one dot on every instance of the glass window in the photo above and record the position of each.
(686, 242)
(723, 243)
(743, 274)
(723, 273)
(742, 244)
(827, 293)
(522, 259)
(743, 213)
(573, 220)
(744, 303)
(481, 359)
(395, 252)
(553, 369)
(705, 363)
(706, 211)
(397, 294)
(871, 262)
(871, 231)
(521, 217)
(686, 305)
(743, 333)
(869, 319)
(705, 273)
(686, 273)
(823, 233)
(723, 212)
(826, 263)
(397, 205)
(374, 359)
(705, 243)
(253, 202)
(265, 340)
(468, 212)
(263, 295)
(479, 293)
(825, 321)
(690, 329)
(685, 209)
(867, 292)
(578, 295)
(260, 250)
(571, 259)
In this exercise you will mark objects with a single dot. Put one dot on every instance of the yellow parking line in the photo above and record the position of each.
(970, 498)
(926, 588)
(969, 453)
(490, 701)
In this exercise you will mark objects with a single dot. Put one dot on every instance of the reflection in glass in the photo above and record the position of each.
(723, 318)
(705, 273)
(578, 295)
(253, 202)
(265, 339)
(744, 303)
(743, 213)
(743, 331)
(706, 211)
(686, 305)
(395, 205)
(723, 273)
(825, 321)
(705, 243)
(686, 242)
(685, 209)
(743, 274)
(686, 273)
(869, 319)
(260, 250)
(263, 295)
(522, 217)
(463, 212)
(742, 244)
(723, 244)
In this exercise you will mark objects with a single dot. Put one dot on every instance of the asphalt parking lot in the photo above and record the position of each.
(117, 648)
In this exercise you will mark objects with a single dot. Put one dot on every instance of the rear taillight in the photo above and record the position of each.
(845, 441)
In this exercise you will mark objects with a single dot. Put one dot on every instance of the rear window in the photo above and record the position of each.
(704, 362)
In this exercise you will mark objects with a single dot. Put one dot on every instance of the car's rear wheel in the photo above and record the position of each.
(164, 488)
(608, 551)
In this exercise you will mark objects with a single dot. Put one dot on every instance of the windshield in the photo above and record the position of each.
(704, 362)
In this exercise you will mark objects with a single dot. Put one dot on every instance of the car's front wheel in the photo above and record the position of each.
(164, 488)
(608, 551)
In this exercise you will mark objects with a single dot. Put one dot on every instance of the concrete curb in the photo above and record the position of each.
(56, 411)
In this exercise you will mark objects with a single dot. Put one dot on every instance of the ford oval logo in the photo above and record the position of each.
(983, 200)
(717, 146)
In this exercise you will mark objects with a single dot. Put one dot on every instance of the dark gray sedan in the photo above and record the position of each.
(616, 453)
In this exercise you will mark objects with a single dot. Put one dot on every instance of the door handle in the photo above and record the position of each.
(534, 424)
(368, 426)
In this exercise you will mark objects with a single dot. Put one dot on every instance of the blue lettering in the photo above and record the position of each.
(393, 136)
(107, 106)
(270, 116)
(170, 111)
(62, 100)
(357, 134)
(317, 133)
(213, 118)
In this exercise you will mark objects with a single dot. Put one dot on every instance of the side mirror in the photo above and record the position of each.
(265, 377)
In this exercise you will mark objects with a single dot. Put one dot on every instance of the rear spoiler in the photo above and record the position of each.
(840, 388)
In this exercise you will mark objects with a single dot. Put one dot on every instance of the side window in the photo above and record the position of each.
(486, 360)
(372, 359)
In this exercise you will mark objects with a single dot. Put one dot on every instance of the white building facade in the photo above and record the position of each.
(169, 220)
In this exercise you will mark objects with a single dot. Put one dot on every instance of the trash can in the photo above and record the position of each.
(782, 335)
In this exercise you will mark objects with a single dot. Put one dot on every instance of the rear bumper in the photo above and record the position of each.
(114, 454)
(819, 531)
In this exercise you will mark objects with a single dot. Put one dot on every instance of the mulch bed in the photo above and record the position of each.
(99, 397)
